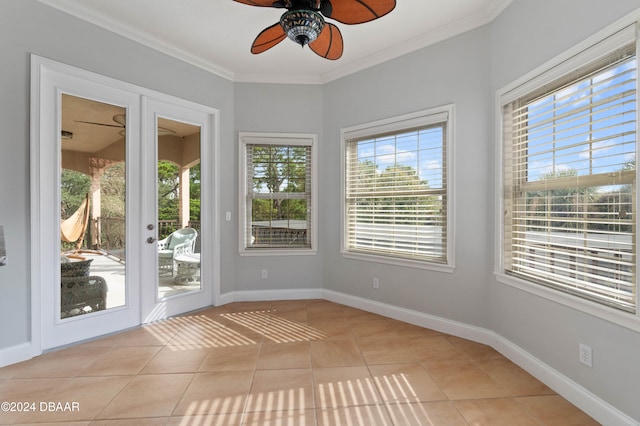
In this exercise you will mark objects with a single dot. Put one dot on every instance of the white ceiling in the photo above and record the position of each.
(216, 35)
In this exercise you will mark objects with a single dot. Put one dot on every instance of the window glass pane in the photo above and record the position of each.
(278, 208)
(396, 194)
(570, 185)
(93, 207)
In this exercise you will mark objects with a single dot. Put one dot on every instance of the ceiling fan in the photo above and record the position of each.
(303, 22)
(121, 120)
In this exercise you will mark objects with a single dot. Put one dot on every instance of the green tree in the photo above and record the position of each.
(73, 190)
(279, 170)
(113, 191)
(397, 195)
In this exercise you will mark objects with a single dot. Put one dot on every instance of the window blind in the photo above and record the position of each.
(569, 174)
(396, 197)
(278, 213)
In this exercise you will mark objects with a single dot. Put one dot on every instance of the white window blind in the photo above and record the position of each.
(278, 196)
(396, 191)
(570, 189)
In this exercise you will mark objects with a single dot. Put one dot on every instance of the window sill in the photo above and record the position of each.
(439, 267)
(278, 252)
(623, 319)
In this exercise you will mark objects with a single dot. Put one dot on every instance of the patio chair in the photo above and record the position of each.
(82, 295)
(180, 242)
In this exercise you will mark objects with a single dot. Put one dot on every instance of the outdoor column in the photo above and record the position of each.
(95, 208)
(184, 198)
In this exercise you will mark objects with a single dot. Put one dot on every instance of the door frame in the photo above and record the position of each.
(46, 75)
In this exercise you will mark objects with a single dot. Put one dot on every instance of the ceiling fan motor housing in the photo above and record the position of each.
(302, 26)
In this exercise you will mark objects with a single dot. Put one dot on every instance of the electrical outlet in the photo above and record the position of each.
(586, 355)
(265, 273)
(227, 216)
(376, 282)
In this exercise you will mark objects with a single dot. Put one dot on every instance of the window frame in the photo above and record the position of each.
(279, 139)
(589, 51)
(399, 124)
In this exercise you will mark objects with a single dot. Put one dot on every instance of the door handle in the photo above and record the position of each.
(151, 240)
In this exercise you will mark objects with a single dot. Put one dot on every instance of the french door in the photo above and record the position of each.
(179, 211)
(120, 176)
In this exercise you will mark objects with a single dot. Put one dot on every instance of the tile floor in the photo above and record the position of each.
(300, 362)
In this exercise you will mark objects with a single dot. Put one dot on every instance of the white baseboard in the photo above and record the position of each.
(15, 354)
(264, 295)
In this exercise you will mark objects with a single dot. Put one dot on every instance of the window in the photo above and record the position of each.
(569, 176)
(277, 207)
(397, 200)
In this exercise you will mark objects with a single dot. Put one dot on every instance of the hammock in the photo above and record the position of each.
(73, 228)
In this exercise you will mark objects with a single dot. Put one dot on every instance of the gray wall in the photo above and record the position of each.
(466, 71)
(524, 37)
(275, 108)
(455, 71)
(26, 27)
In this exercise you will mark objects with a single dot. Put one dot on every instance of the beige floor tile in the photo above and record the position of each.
(329, 329)
(385, 350)
(460, 379)
(229, 419)
(208, 332)
(378, 327)
(322, 311)
(148, 335)
(219, 392)
(335, 353)
(407, 330)
(275, 356)
(296, 315)
(63, 363)
(280, 418)
(495, 412)
(30, 391)
(370, 415)
(148, 396)
(121, 361)
(475, 350)
(155, 421)
(255, 321)
(231, 358)
(555, 410)
(282, 330)
(80, 398)
(344, 387)
(405, 383)
(176, 359)
(10, 371)
(435, 348)
(238, 364)
(281, 390)
(425, 413)
(513, 378)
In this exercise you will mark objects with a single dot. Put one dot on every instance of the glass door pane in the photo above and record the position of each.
(93, 185)
(178, 206)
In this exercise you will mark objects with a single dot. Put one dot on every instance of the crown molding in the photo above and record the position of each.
(432, 37)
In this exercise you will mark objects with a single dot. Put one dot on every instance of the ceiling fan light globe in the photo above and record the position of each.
(302, 26)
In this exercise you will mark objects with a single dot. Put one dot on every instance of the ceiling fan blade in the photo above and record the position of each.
(268, 38)
(162, 131)
(121, 119)
(359, 11)
(329, 43)
(98, 124)
(263, 3)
